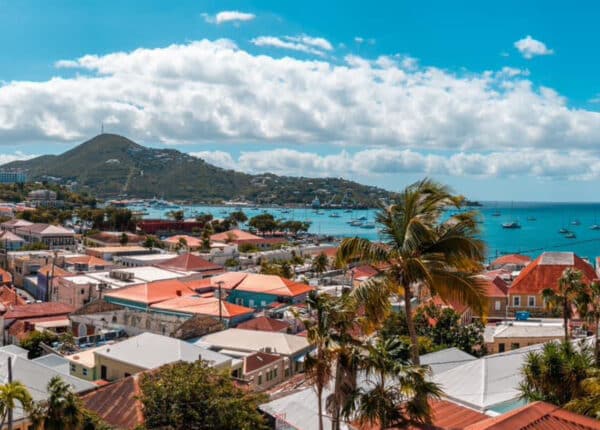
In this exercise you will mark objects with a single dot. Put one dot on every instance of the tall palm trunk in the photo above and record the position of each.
(382, 420)
(596, 346)
(412, 332)
(320, 405)
(566, 319)
(335, 405)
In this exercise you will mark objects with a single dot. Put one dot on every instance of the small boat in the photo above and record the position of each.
(348, 211)
(595, 227)
(334, 215)
(362, 218)
(563, 231)
(575, 222)
(570, 235)
(369, 225)
(496, 213)
(511, 225)
(356, 223)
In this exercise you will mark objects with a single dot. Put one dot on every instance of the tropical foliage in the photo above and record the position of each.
(11, 394)
(570, 289)
(192, 395)
(425, 248)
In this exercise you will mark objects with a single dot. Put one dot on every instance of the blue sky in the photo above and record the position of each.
(499, 99)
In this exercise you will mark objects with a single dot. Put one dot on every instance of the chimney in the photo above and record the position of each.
(178, 292)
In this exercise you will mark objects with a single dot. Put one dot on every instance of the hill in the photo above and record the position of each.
(112, 166)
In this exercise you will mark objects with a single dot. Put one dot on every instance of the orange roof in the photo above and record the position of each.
(38, 310)
(263, 323)
(364, 272)
(445, 415)
(90, 260)
(516, 259)
(190, 263)
(203, 306)
(546, 270)
(459, 308)
(192, 242)
(47, 271)
(496, 287)
(9, 296)
(258, 283)
(153, 292)
(5, 277)
(234, 235)
(537, 415)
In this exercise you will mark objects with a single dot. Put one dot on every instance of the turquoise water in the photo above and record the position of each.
(532, 238)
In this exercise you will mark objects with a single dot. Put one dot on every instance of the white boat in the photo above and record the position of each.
(595, 227)
(511, 225)
(356, 223)
(369, 225)
(334, 215)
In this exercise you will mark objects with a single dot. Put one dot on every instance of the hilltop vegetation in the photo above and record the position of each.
(113, 166)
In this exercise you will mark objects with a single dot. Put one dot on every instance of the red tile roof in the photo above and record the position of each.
(537, 416)
(364, 272)
(90, 260)
(5, 277)
(445, 416)
(496, 287)
(258, 283)
(190, 263)
(192, 242)
(37, 310)
(516, 259)
(233, 236)
(546, 270)
(9, 297)
(263, 323)
(48, 271)
(197, 305)
(459, 308)
(117, 403)
(258, 360)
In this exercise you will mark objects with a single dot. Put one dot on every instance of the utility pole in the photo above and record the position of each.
(10, 411)
(220, 285)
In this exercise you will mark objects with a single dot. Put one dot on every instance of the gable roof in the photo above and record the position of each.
(496, 287)
(263, 323)
(258, 283)
(251, 340)
(516, 259)
(259, 360)
(537, 415)
(45, 229)
(37, 310)
(16, 222)
(9, 297)
(5, 277)
(546, 270)
(152, 292)
(47, 270)
(235, 235)
(90, 260)
(9, 236)
(364, 272)
(194, 304)
(445, 359)
(190, 263)
(191, 241)
(149, 351)
(117, 403)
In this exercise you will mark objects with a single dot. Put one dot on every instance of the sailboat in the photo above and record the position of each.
(512, 225)
(576, 222)
(570, 235)
(334, 215)
(595, 227)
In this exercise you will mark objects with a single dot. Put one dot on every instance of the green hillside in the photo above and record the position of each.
(113, 166)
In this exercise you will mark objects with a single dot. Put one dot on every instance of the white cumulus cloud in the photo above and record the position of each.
(530, 47)
(228, 16)
(292, 43)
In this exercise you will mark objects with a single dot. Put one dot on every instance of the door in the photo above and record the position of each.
(103, 372)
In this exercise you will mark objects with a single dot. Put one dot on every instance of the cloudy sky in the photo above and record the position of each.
(502, 101)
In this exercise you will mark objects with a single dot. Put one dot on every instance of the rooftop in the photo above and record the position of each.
(149, 351)
(190, 263)
(250, 340)
(195, 304)
(259, 360)
(152, 292)
(233, 235)
(258, 283)
(263, 323)
(36, 310)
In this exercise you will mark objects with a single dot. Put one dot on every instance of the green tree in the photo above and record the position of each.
(589, 403)
(319, 264)
(192, 395)
(10, 394)
(398, 392)
(555, 374)
(181, 244)
(421, 248)
(570, 286)
(33, 340)
(238, 217)
(264, 223)
(124, 239)
(588, 305)
(177, 215)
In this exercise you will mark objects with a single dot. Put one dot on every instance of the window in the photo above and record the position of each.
(82, 291)
(73, 367)
(514, 346)
(84, 371)
(239, 301)
(498, 305)
(275, 373)
(531, 301)
(517, 301)
(500, 347)
(263, 303)
(251, 303)
(127, 374)
(259, 379)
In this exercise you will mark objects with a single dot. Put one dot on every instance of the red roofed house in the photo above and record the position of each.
(465, 312)
(86, 263)
(19, 320)
(525, 294)
(263, 323)
(192, 243)
(497, 293)
(241, 237)
(262, 371)
(193, 263)
(512, 262)
(360, 274)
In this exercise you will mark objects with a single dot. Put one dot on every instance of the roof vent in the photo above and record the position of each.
(178, 292)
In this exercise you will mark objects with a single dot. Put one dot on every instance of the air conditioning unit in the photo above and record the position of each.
(121, 275)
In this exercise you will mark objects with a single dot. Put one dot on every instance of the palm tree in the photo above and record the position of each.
(319, 366)
(399, 391)
(588, 305)
(11, 394)
(570, 286)
(589, 403)
(420, 249)
(319, 264)
(555, 374)
(61, 411)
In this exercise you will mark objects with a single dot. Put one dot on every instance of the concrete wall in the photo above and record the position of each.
(114, 369)
(268, 376)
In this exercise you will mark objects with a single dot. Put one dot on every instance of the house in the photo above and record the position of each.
(18, 321)
(13, 224)
(113, 238)
(75, 290)
(9, 297)
(126, 277)
(86, 263)
(5, 278)
(144, 259)
(193, 265)
(262, 371)
(511, 262)
(108, 252)
(537, 416)
(53, 236)
(24, 264)
(35, 376)
(497, 297)
(238, 343)
(512, 335)
(464, 311)
(259, 291)
(241, 237)
(445, 359)
(525, 294)
(150, 351)
(263, 323)
(11, 241)
(191, 243)
(362, 273)
(46, 282)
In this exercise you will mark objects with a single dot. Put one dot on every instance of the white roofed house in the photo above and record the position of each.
(54, 236)
(11, 241)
